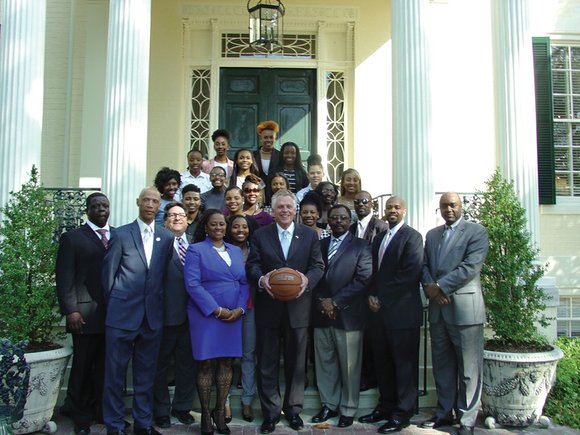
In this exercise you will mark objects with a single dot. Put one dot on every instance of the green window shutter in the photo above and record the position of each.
(544, 120)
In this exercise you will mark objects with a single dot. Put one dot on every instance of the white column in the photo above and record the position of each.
(515, 109)
(21, 91)
(126, 106)
(412, 171)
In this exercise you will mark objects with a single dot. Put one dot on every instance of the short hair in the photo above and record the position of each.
(164, 175)
(92, 196)
(220, 132)
(170, 206)
(365, 192)
(195, 150)
(337, 206)
(199, 234)
(283, 193)
(190, 188)
(350, 171)
(234, 188)
(312, 198)
(323, 184)
(268, 125)
(219, 167)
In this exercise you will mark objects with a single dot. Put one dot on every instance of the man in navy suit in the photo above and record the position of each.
(396, 302)
(283, 244)
(339, 317)
(133, 273)
(176, 342)
(79, 264)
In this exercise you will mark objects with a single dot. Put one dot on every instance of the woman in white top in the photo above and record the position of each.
(315, 175)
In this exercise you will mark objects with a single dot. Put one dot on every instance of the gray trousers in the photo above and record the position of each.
(338, 356)
(457, 355)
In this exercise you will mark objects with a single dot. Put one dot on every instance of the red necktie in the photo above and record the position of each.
(104, 240)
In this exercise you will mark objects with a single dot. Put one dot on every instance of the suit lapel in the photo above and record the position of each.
(458, 234)
(88, 231)
(368, 235)
(136, 233)
(341, 249)
(295, 242)
(275, 242)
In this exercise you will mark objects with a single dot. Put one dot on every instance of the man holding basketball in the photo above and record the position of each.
(283, 244)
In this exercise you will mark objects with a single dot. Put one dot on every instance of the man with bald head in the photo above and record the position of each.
(395, 300)
(454, 254)
(133, 272)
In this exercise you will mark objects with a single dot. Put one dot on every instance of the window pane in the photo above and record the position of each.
(576, 184)
(576, 163)
(562, 328)
(561, 159)
(575, 135)
(559, 57)
(559, 82)
(562, 184)
(576, 82)
(575, 326)
(564, 308)
(576, 307)
(561, 133)
(561, 107)
(576, 58)
(576, 107)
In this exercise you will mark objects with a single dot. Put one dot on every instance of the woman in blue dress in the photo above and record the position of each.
(215, 279)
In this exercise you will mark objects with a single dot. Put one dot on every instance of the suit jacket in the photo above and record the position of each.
(175, 296)
(132, 290)
(374, 227)
(345, 280)
(457, 273)
(396, 280)
(266, 254)
(274, 161)
(79, 264)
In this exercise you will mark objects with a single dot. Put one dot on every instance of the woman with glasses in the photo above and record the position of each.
(253, 198)
(214, 198)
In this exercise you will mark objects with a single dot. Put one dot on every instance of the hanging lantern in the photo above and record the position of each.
(266, 25)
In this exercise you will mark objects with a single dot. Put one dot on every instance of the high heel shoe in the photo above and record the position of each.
(247, 413)
(228, 413)
(219, 422)
(206, 425)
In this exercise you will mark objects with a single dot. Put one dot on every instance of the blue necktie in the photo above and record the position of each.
(285, 242)
(333, 249)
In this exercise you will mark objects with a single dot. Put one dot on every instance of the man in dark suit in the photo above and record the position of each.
(454, 255)
(396, 301)
(339, 316)
(176, 342)
(79, 265)
(283, 244)
(367, 228)
(133, 272)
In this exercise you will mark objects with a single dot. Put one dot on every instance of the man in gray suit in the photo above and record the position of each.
(175, 345)
(454, 254)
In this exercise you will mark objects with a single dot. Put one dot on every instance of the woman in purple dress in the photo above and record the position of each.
(215, 279)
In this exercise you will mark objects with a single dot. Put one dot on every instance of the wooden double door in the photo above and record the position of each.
(251, 95)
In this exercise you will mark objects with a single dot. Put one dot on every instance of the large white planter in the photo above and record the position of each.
(46, 375)
(516, 385)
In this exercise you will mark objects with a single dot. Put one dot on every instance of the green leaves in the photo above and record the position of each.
(514, 303)
(27, 262)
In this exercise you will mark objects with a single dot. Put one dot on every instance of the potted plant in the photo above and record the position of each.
(519, 364)
(28, 246)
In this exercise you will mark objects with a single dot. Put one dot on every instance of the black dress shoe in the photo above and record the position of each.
(324, 414)
(269, 425)
(164, 422)
(392, 426)
(295, 422)
(435, 422)
(82, 429)
(146, 431)
(127, 424)
(465, 430)
(374, 417)
(345, 421)
(184, 417)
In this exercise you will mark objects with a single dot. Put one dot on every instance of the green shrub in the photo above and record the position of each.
(563, 404)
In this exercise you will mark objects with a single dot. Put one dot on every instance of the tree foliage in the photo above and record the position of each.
(514, 303)
(28, 246)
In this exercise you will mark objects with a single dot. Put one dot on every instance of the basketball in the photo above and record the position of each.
(285, 284)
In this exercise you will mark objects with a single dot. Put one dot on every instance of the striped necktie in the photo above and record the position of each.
(103, 233)
(182, 249)
(333, 249)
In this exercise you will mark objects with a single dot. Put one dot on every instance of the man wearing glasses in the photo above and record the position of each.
(175, 344)
(214, 198)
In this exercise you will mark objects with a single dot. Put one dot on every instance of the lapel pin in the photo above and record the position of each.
(158, 239)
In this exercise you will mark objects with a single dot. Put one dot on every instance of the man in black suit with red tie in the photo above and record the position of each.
(80, 295)
(283, 244)
(396, 301)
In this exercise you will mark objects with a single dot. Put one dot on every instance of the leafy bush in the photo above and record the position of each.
(563, 404)
(27, 267)
(514, 303)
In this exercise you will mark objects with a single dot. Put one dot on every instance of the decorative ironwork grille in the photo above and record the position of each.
(200, 107)
(335, 124)
(70, 206)
(295, 46)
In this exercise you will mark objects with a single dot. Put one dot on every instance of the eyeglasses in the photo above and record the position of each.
(176, 215)
(217, 174)
(251, 190)
(361, 201)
